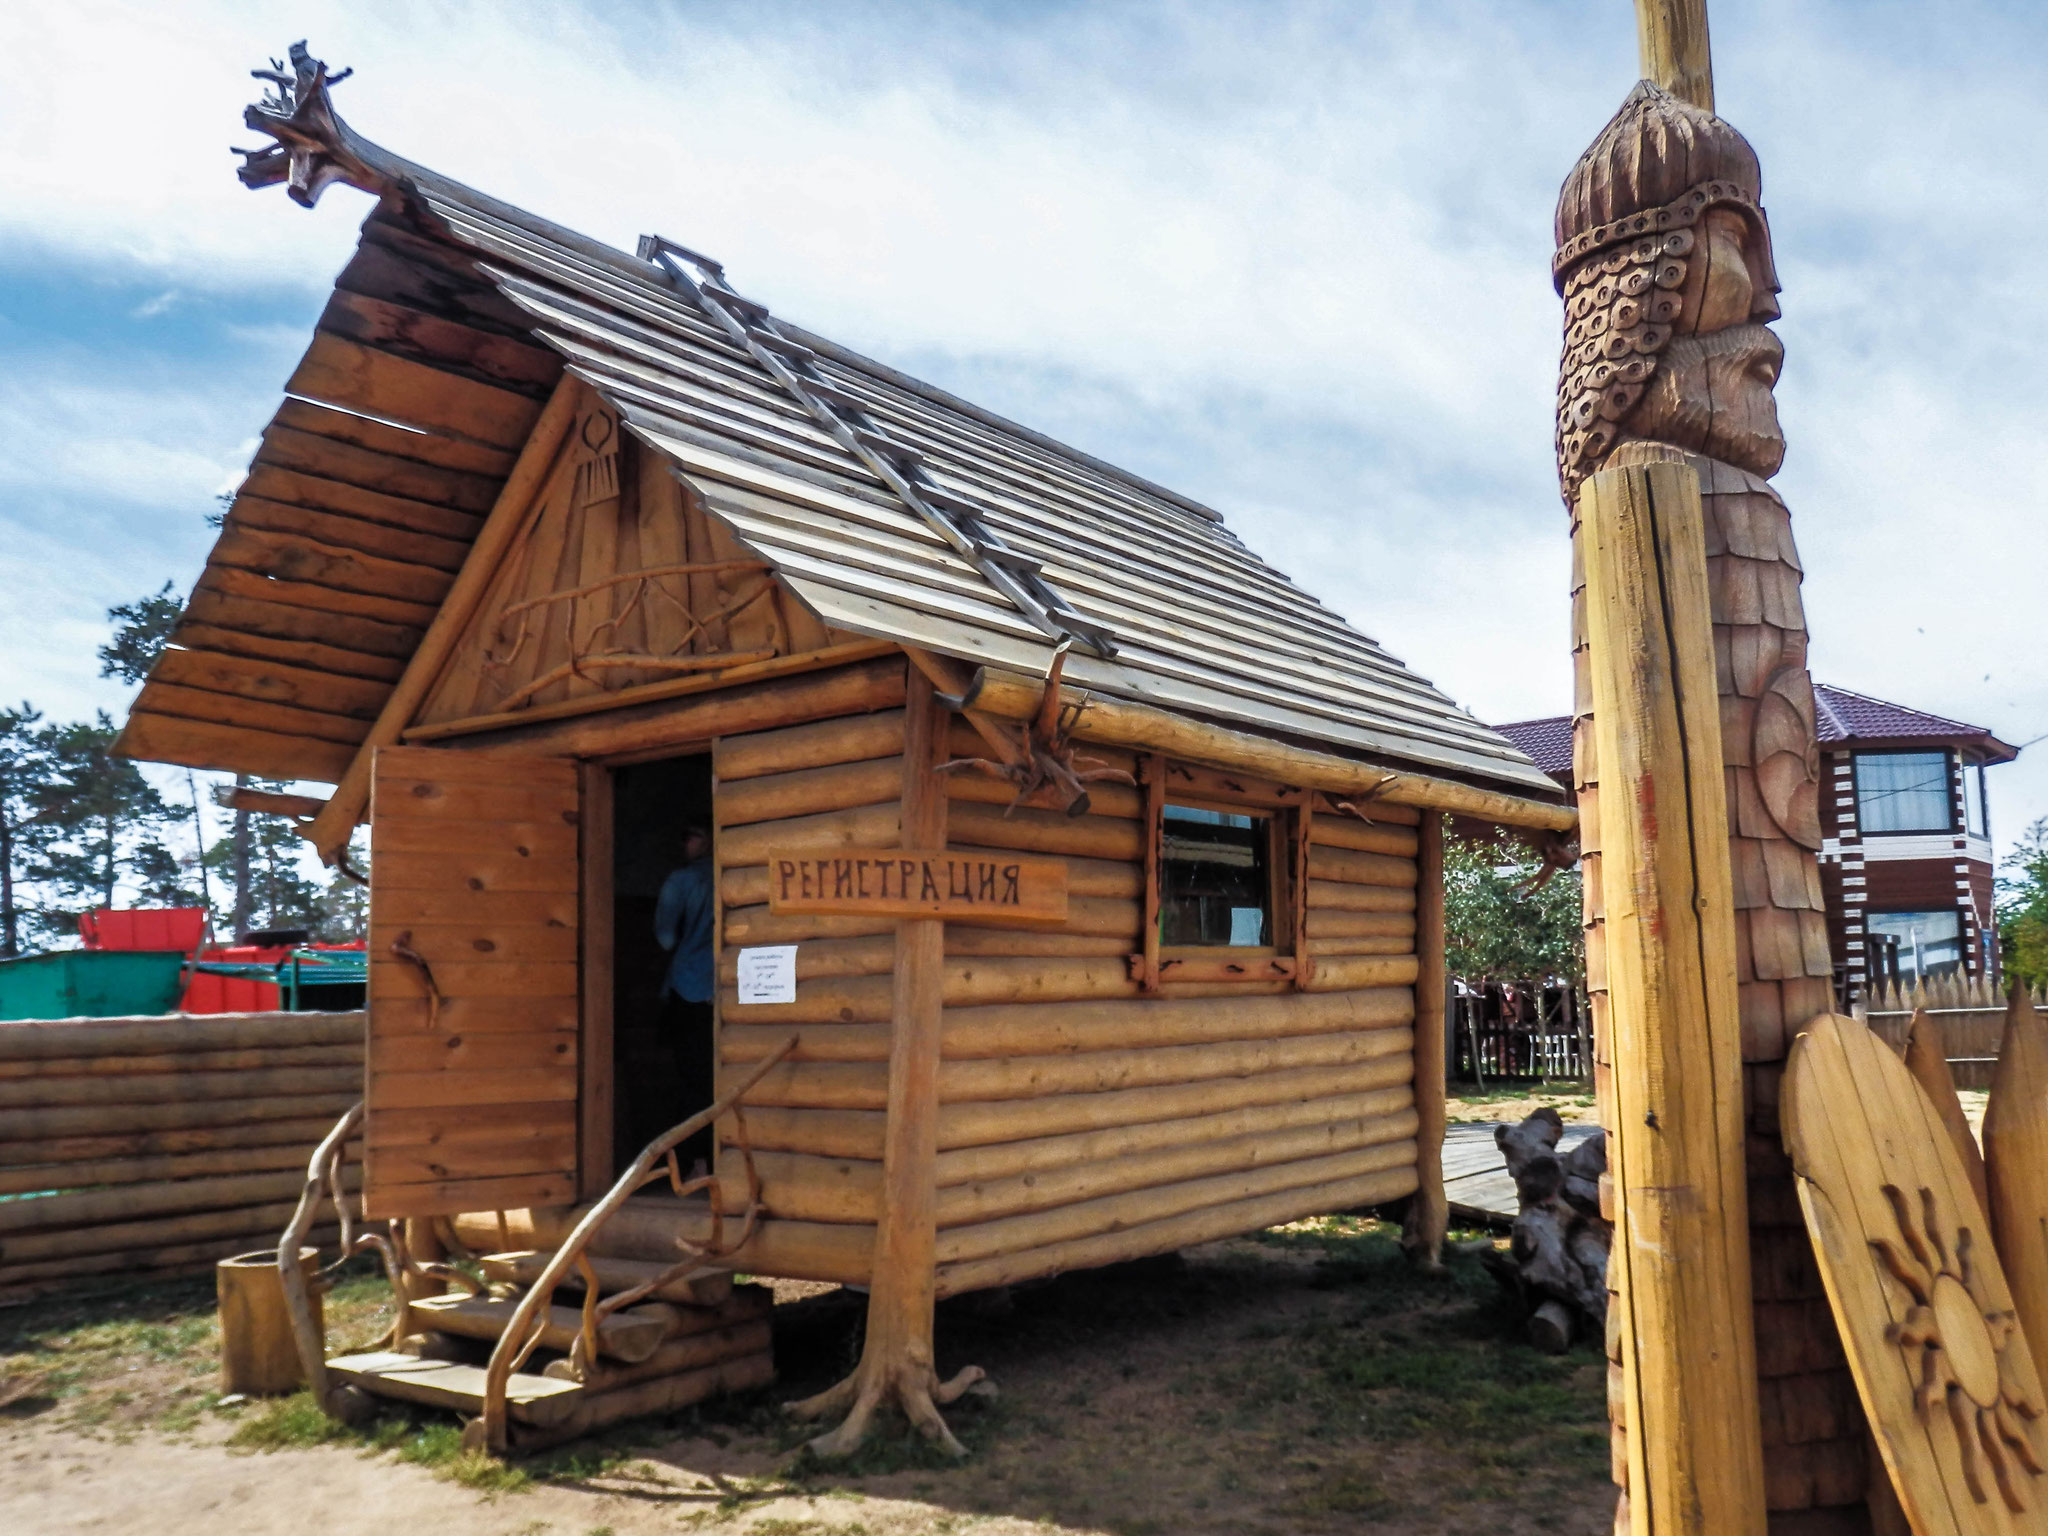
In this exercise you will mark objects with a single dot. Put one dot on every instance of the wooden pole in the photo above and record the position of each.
(1672, 45)
(1429, 1212)
(596, 1091)
(897, 1360)
(1681, 1240)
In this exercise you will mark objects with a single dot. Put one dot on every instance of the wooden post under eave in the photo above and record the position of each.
(1672, 46)
(897, 1362)
(1681, 1239)
(1429, 1211)
(596, 1092)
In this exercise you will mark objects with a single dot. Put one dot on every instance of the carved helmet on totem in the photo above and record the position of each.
(1626, 233)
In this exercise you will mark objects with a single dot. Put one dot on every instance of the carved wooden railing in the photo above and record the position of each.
(324, 1182)
(657, 1160)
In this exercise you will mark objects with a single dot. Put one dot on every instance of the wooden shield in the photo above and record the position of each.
(1916, 1287)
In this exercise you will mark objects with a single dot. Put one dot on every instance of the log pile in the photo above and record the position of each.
(1556, 1262)
(153, 1145)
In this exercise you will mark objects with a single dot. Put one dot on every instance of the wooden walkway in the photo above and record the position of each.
(1476, 1178)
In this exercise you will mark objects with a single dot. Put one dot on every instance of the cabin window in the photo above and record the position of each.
(1914, 946)
(1216, 878)
(1903, 792)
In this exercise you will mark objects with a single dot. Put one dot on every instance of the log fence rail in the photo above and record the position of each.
(155, 1146)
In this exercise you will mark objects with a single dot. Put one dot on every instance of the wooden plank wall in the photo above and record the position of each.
(348, 530)
(1081, 1122)
(172, 1141)
(472, 1099)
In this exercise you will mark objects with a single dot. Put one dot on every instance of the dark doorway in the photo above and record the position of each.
(662, 1062)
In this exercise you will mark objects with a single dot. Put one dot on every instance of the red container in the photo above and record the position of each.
(207, 993)
(180, 928)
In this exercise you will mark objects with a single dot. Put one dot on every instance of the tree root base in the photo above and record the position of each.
(913, 1387)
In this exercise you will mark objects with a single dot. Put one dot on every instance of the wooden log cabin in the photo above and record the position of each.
(553, 549)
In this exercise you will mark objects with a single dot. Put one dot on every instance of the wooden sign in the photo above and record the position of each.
(901, 882)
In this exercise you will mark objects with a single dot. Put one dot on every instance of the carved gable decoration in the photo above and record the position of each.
(617, 579)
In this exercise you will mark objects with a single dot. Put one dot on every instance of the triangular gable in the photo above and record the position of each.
(615, 579)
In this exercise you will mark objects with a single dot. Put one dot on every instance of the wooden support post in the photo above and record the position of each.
(896, 1356)
(1671, 42)
(596, 1148)
(1681, 1239)
(1301, 842)
(1152, 769)
(1429, 1211)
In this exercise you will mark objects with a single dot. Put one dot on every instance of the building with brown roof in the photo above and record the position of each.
(1906, 865)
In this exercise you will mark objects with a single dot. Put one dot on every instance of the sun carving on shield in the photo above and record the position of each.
(1952, 1346)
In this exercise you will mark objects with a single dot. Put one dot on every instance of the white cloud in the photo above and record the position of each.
(1291, 259)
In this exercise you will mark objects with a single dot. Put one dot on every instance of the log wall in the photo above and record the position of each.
(1083, 1123)
(1080, 1120)
(155, 1145)
(831, 783)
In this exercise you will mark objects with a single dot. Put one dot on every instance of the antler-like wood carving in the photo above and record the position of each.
(314, 147)
(1046, 770)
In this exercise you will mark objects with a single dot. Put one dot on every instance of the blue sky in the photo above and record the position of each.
(1291, 259)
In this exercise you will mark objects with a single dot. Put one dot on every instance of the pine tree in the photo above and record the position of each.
(263, 865)
(141, 631)
(23, 835)
(100, 815)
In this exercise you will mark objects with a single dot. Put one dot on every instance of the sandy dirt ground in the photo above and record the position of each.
(1304, 1381)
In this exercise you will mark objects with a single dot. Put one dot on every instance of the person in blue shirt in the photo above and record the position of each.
(685, 920)
(686, 926)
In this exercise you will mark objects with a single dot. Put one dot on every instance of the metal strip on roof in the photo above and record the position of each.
(1201, 623)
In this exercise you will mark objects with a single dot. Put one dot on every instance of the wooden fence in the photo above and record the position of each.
(1969, 1012)
(148, 1145)
(1518, 1032)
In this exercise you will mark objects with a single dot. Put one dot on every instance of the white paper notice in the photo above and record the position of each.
(768, 974)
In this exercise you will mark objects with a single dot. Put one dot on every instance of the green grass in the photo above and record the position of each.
(1387, 1367)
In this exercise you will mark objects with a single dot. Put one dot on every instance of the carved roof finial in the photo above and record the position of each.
(314, 146)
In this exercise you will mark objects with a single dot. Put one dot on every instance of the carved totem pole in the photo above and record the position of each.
(1664, 264)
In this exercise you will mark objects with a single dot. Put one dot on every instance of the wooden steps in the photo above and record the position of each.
(631, 1335)
(536, 1400)
(699, 1288)
(652, 1358)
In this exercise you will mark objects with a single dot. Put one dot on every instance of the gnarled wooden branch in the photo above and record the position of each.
(1047, 765)
(314, 147)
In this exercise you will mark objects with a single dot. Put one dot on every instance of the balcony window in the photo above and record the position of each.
(1903, 792)
(1977, 822)
(1915, 946)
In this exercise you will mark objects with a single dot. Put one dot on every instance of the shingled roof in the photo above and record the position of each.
(1841, 716)
(1856, 717)
(443, 339)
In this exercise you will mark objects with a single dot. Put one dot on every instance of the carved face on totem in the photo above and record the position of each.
(1669, 290)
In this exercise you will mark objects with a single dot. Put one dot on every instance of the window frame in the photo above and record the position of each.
(1948, 793)
(1977, 799)
(1286, 812)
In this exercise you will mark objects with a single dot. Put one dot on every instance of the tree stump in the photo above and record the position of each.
(1556, 1263)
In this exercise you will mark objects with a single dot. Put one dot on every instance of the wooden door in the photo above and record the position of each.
(472, 1061)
